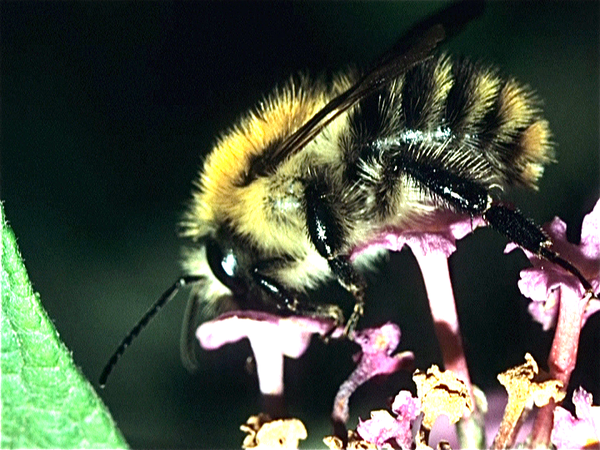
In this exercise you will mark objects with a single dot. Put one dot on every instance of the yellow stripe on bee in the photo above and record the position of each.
(219, 191)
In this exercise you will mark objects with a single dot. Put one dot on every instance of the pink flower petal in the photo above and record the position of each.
(290, 334)
(377, 346)
(544, 280)
(376, 358)
(405, 406)
(584, 409)
(590, 235)
(382, 427)
(271, 337)
(583, 432)
(439, 234)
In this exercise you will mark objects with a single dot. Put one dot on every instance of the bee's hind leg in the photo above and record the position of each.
(524, 232)
(470, 197)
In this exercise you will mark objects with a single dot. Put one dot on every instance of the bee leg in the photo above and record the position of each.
(287, 301)
(353, 283)
(524, 232)
(327, 236)
(470, 197)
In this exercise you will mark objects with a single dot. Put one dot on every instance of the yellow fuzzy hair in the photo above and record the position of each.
(219, 196)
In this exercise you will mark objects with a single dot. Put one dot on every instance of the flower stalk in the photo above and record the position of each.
(562, 358)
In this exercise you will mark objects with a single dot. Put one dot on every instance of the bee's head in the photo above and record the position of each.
(226, 261)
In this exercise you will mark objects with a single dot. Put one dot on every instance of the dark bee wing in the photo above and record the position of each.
(413, 48)
(372, 81)
(453, 19)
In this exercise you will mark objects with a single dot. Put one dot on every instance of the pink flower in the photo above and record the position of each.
(545, 283)
(440, 237)
(375, 358)
(406, 406)
(583, 432)
(271, 337)
(382, 426)
(559, 301)
(432, 244)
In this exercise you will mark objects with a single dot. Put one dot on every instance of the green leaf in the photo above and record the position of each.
(46, 401)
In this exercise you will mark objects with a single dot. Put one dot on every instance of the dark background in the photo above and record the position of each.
(107, 110)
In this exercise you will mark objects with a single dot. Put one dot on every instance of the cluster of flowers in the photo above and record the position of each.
(558, 301)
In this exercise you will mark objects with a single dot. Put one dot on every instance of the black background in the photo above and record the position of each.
(107, 110)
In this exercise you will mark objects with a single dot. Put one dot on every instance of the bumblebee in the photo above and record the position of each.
(318, 169)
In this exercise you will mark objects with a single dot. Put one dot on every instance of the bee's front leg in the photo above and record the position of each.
(327, 235)
(287, 301)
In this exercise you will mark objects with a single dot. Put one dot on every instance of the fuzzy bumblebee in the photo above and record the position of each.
(318, 169)
(440, 136)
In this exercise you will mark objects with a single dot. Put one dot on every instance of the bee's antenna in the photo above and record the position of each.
(135, 331)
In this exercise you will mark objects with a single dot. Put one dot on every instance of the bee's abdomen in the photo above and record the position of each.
(501, 119)
(459, 117)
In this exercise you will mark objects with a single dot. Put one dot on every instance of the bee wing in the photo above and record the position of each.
(453, 19)
(413, 48)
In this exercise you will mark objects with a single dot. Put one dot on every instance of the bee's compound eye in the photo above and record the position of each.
(224, 265)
